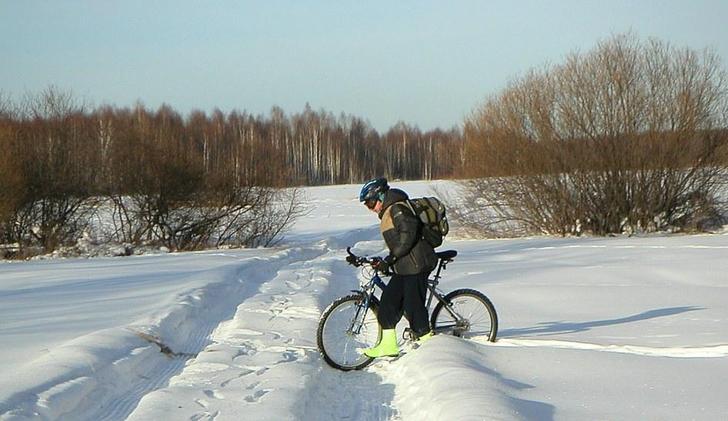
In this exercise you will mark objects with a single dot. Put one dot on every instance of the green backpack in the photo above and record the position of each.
(431, 212)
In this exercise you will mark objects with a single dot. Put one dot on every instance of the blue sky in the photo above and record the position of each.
(428, 63)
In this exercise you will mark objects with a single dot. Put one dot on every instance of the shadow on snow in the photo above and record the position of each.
(551, 328)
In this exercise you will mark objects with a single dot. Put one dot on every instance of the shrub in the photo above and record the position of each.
(623, 138)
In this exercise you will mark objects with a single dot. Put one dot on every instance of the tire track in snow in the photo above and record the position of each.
(123, 406)
(264, 360)
(628, 246)
(716, 351)
(331, 394)
(110, 390)
(353, 395)
(252, 354)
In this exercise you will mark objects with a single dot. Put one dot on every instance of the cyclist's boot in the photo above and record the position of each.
(387, 347)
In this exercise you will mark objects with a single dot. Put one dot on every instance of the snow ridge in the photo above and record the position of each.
(450, 378)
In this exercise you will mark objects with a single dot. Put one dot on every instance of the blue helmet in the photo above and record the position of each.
(373, 189)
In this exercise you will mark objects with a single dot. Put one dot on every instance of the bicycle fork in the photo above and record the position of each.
(357, 322)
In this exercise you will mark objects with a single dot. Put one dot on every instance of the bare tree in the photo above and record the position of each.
(52, 156)
(11, 179)
(622, 138)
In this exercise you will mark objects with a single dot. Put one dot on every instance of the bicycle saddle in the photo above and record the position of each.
(447, 254)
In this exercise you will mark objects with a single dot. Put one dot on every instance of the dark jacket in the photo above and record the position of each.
(401, 229)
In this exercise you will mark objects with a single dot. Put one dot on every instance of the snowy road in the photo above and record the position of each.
(590, 328)
(264, 360)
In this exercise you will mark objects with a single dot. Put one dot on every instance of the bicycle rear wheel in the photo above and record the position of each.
(476, 315)
(341, 347)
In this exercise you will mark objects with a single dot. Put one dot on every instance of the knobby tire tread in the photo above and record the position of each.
(480, 297)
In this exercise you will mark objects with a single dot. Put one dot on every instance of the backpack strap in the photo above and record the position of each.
(421, 225)
(411, 208)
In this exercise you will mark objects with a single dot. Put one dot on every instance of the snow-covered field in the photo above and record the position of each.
(590, 328)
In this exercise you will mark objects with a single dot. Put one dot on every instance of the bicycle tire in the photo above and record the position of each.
(339, 348)
(475, 307)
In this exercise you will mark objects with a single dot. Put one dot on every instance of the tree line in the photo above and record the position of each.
(191, 181)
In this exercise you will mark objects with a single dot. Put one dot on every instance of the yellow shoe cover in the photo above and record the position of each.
(387, 347)
(427, 336)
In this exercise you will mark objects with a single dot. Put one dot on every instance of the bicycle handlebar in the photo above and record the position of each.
(355, 260)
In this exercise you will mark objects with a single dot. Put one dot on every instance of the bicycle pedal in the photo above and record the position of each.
(409, 335)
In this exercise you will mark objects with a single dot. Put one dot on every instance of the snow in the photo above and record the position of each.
(590, 328)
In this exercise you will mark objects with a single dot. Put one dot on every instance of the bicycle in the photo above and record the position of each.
(349, 324)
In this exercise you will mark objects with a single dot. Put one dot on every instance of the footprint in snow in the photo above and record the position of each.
(288, 357)
(205, 416)
(293, 285)
(244, 373)
(255, 397)
(214, 394)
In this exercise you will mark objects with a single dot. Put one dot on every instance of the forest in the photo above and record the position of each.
(191, 181)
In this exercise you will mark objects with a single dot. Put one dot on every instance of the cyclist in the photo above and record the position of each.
(410, 258)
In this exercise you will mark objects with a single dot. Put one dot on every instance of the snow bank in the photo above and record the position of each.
(451, 378)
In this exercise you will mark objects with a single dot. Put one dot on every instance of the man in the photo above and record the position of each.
(411, 259)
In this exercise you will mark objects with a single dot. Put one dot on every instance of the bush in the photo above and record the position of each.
(621, 139)
(163, 181)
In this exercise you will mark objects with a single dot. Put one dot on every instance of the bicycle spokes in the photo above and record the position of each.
(345, 329)
(467, 313)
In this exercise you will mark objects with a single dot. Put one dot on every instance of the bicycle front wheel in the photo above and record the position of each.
(346, 328)
(469, 314)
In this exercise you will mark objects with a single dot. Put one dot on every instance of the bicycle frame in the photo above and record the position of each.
(434, 292)
(375, 281)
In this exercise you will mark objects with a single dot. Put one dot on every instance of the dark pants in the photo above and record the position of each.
(405, 294)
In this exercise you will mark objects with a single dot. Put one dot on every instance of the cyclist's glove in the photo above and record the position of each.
(379, 264)
(382, 265)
